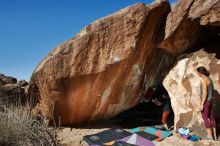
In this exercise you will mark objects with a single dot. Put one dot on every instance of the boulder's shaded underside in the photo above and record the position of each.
(110, 64)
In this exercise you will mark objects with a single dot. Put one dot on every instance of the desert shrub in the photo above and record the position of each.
(19, 127)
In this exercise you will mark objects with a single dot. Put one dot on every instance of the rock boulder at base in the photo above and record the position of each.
(183, 85)
(101, 72)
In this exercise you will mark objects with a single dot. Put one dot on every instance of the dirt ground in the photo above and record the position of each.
(74, 137)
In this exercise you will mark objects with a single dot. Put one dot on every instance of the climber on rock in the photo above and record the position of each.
(161, 98)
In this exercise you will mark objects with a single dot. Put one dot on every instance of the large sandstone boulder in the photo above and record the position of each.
(183, 85)
(112, 62)
(101, 72)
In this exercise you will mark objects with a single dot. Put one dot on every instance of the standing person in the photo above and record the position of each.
(206, 95)
(161, 98)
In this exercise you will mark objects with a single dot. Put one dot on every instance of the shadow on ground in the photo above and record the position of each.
(143, 114)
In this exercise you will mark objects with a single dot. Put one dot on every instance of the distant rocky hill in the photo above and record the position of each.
(13, 91)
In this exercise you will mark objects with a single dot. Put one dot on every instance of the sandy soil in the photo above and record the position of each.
(74, 137)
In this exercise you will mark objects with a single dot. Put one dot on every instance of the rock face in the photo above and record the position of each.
(101, 71)
(182, 82)
(187, 23)
(11, 91)
(192, 25)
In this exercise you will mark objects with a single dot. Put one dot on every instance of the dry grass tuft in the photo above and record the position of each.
(18, 127)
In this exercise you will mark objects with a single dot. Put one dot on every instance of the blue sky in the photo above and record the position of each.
(29, 29)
